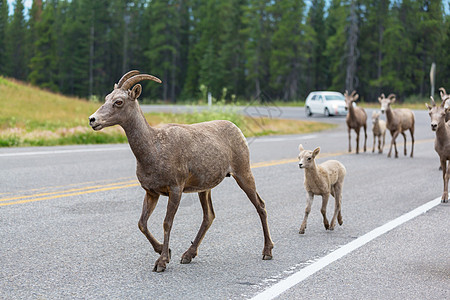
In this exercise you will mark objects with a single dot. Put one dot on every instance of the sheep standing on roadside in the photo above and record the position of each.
(324, 179)
(379, 131)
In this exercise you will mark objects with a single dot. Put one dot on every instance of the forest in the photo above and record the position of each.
(234, 49)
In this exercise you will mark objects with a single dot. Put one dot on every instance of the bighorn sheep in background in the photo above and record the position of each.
(445, 97)
(356, 118)
(442, 140)
(379, 131)
(324, 179)
(398, 121)
(179, 158)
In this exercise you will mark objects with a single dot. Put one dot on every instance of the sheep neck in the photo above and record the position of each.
(139, 133)
(312, 173)
(351, 111)
(443, 132)
(389, 114)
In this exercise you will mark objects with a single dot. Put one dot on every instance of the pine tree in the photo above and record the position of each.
(16, 64)
(3, 26)
(43, 65)
(286, 55)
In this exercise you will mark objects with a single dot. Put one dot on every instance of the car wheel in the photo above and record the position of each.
(308, 111)
(327, 112)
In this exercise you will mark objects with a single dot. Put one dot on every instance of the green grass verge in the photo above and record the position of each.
(34, 117)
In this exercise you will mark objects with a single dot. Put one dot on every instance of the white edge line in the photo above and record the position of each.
(62, 151)
(282, 286)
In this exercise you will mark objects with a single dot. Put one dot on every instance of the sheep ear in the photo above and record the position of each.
(115, 86)
(429, 107)
(379, 99)
(300, 147)
(316, 151)
(355, 97)
(136, 91)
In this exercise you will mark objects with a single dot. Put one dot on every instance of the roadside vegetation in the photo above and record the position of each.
(30, 116)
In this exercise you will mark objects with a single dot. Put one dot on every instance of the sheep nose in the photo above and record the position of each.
(300, 165)
(433, 127)
(91, 120)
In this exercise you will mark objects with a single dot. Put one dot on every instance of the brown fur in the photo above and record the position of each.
(398, 121)
(356, 118)
(442, 140)
(324, 179)
(379, 132)
(180, 158)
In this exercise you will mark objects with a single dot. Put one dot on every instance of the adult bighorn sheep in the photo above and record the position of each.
(442, 140)
(179, 158)
(356, 118)
(397, 121)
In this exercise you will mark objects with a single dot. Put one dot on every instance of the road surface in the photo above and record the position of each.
(68, 226)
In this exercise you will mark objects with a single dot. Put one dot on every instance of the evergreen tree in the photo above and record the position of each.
(258, 31)
(286, 55)
(315, 40)
(16, 64)
(3, 25)
(43, 65)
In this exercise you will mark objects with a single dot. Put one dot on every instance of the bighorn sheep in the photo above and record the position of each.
(356, 118)
(179, 158)
(324, 179)
(379, 131)
(445, 97)
(442, 140)
(398, 121)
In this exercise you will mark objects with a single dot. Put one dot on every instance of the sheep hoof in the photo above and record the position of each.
(301, 231)
(331, 228)
(267, 257)
(186, 258)
(340, 222)
(159, 269)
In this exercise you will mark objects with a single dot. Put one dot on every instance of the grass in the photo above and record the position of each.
(30, 116)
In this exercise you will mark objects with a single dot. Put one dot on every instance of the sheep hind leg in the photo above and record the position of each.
(337, 194)
(208, 217)
(404, 144)
(445, 176)
(246, 182)
(148, 206)
(307, 211)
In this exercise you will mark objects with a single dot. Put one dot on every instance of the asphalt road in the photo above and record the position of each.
(68, 226)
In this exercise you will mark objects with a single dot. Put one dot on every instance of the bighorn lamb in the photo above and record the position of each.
(398, 121)
(324, 179)
(442, 140)
(179, 158)
(356, 118)
(379, 131)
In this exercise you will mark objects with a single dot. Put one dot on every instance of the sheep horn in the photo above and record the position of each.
(126, 76)
(391, 96)
(135, 79)
(432, 101)
(353, 93)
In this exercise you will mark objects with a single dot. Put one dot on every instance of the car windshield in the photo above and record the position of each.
(334, 97)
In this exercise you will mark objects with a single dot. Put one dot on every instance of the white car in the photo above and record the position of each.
(325, 103)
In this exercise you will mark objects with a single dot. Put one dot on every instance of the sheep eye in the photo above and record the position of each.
(309, 158)
(118, 103)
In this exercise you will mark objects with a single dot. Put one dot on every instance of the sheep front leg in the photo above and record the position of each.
(349, 139)
(357, 130)
(150, 201)
(374, 143)
(365, 137)
(404, 144)
(208, 217)
(445, 176)
(172, 207)
(323, 210)
(309, 202)
(394, 136)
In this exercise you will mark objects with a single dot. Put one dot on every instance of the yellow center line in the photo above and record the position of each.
(133, 183)
(66, 191)
(71, 194)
